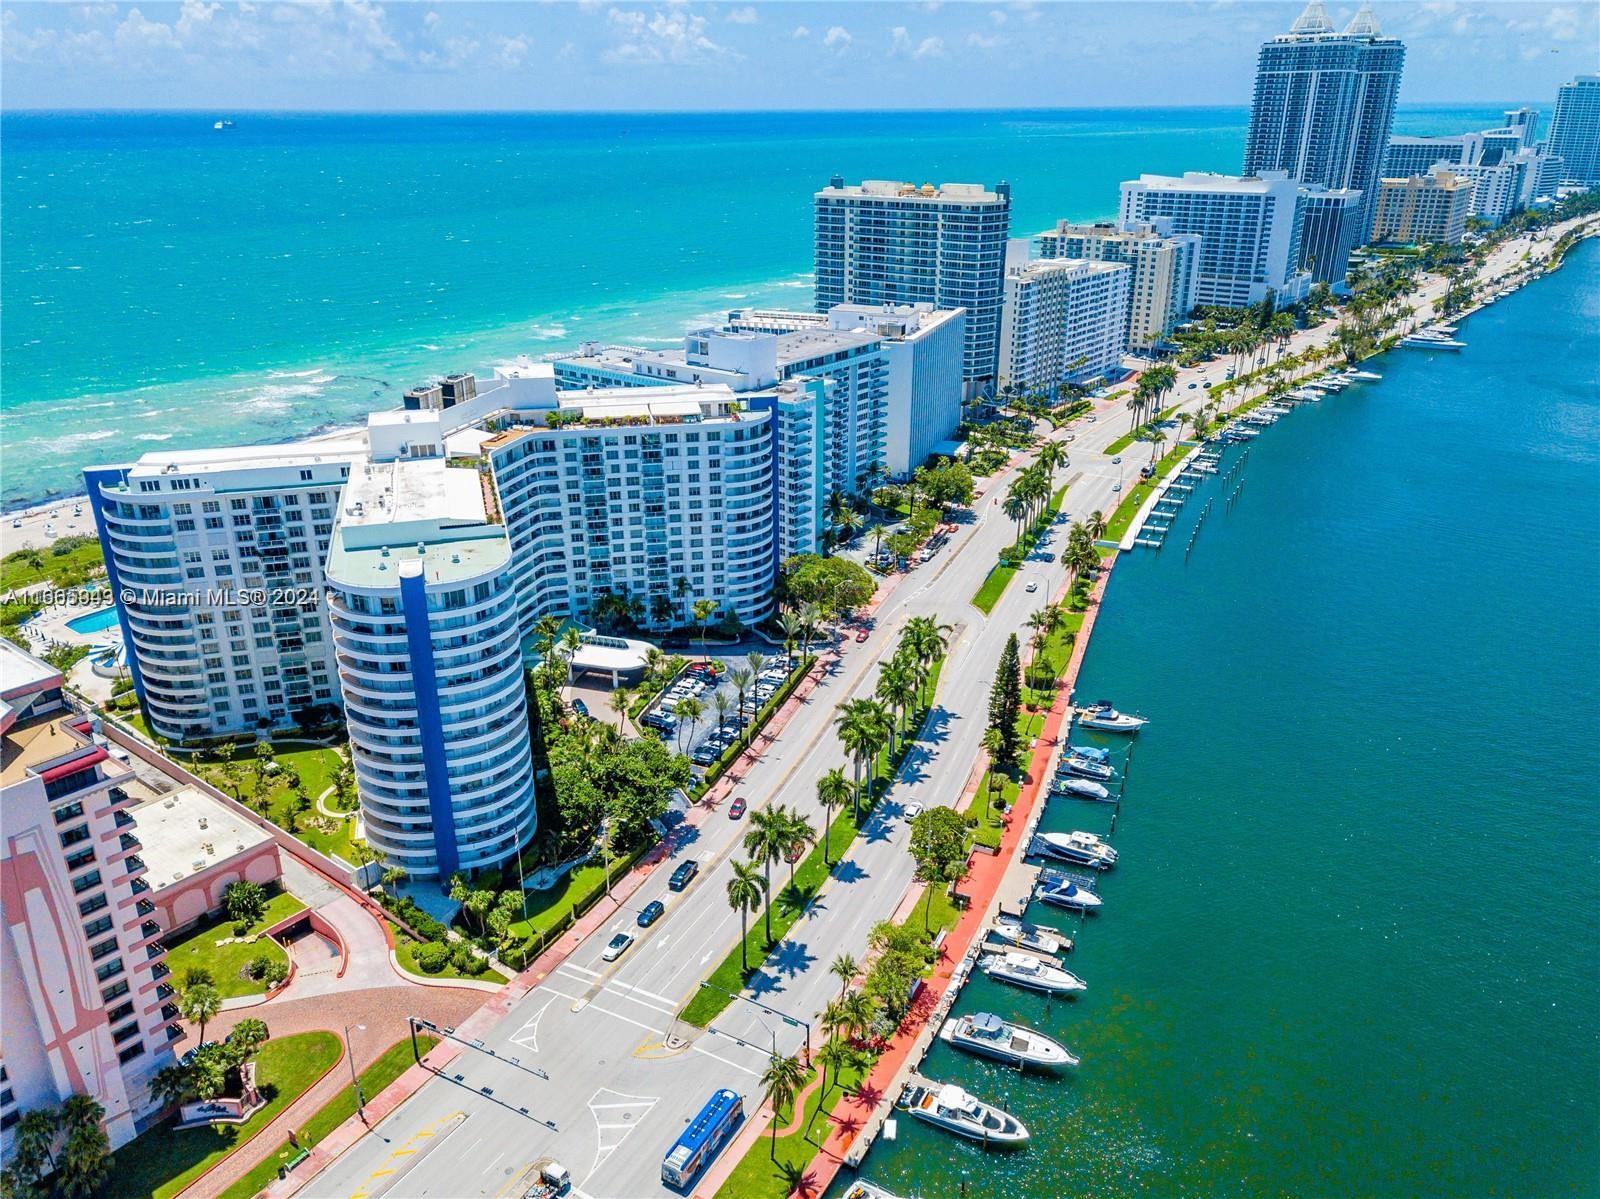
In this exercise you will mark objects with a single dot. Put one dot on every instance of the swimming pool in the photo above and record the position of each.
(94, 622)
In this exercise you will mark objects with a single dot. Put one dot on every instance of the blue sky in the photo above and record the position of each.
(358, 54)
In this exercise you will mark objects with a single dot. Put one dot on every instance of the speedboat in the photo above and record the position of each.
(987, 1035)
(1063, 892)
(1081, 788)
(1079, 848)
(951, 1108)
(1108, 720)
(1031, 973)
(1089, 768)
(1366, 376)
(1429, 340)
(1018, 932)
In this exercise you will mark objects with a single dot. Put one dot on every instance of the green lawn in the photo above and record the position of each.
(1134, 500)
(389, 1066)
(405, 952)
(765, 1174)
(163, 1161)
(66, 562)
(1127, 439)
(791, 900)
(316, 766)
(226, 962)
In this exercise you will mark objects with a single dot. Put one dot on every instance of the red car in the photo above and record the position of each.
(736, 808)
(861, 634)
(795, 853)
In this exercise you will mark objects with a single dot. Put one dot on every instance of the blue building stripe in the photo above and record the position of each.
(430, 723)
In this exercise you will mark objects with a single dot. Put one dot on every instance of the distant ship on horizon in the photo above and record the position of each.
(223, 125)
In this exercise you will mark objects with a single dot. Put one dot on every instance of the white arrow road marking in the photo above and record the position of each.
(616, 1114)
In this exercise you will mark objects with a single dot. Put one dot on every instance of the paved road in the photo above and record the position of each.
(621, 1085)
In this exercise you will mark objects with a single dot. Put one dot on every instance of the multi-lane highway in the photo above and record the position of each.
(621, 1077)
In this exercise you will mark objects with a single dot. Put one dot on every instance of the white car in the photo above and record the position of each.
(617, 946)
(1033, 585)
(913, 810)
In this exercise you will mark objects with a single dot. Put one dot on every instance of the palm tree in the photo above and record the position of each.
(898, 690)
(835, 1017)
(689, 711)
(860, 1010)
(844, 968)
(720, 701)
(703, 608)
(797, 833)
(783, 1078)
(834, 1055)
(1096, 524)
(857, 727)
(994, 741)
(793, 629)
(85, 1157)
(393, 876)
(764, 841)
(1015, 506)
(35, 1139)
(619, 704)
(741, 678)
(832, 789)
(746, 890)
(199, 1004)
(881, 726)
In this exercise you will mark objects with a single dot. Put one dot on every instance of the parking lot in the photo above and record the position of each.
(705, 737)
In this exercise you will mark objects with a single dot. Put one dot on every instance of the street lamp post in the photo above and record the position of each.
(361, 1102)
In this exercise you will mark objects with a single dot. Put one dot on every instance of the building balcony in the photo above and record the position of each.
(154, 950)
(129, 841)
(144, 907)
(169, 1012)
(159, 971)
(165, 991)
(174, 1032)
(136, 865)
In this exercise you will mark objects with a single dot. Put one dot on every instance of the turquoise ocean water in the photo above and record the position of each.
(1352, 944)
(165, 284)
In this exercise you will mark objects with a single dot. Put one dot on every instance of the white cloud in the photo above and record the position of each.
(903, 45)
(800, 31)
(837, 38)
(675, 36)
(984, 41)
(1564, 24)
(743, 16)
(512, 50)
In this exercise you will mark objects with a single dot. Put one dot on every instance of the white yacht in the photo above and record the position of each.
(1015, 931)
(1031, 973)
(1082, 788)
(1108, 720)
(1062, 892)
(1079, 848)
(951, 1108)
(987, 1035)
(1084, 766)
(862, 1189)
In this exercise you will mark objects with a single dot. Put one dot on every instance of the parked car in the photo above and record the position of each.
(737, 808)
(683, 875)
(617, 946)
(651, 912)
(861, 634)
(795, 852)
(581, 708)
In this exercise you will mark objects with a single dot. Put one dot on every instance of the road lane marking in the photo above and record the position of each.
(661, 1032)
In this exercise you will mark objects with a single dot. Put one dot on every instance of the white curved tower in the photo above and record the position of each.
(424, 616)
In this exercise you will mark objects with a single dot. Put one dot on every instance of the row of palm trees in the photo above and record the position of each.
(1029, 493)
(867, 728)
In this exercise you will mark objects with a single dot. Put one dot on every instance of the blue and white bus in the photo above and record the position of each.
(703, 1139)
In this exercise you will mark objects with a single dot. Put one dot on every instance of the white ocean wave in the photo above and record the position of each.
(66, 443)
(316, 370)
(152, 437)
(547, 332)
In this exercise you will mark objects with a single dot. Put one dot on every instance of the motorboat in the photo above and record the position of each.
(1063, 892)
(987, 1035)
(1031, 973)
(1081, 788)
(1089, 768)
(1108, 720)
(1366, 376)
(862, 1189)
(951, 1108)
(1079, 848)
(1016, 931)
(1426, 339)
